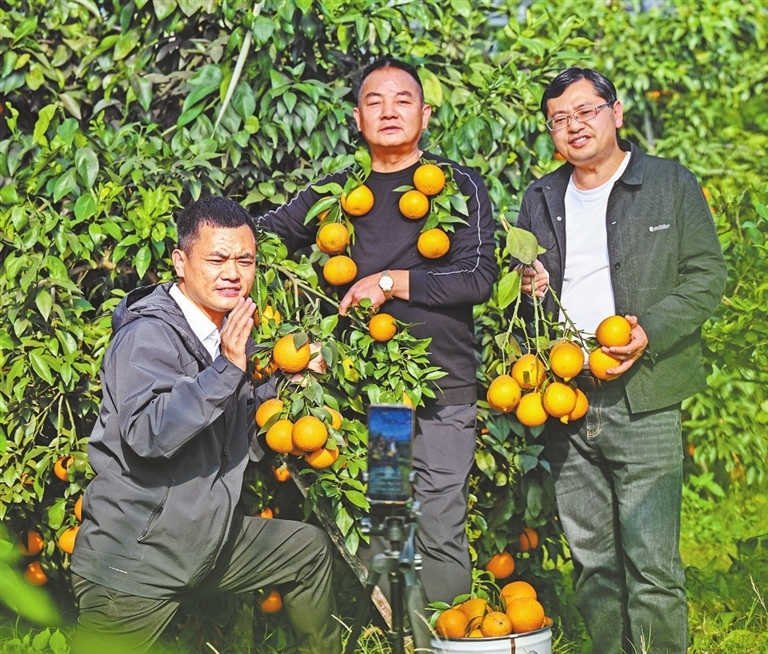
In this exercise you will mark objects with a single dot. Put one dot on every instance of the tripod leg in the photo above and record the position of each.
(398, 615)
(362, 612)
(416, 602)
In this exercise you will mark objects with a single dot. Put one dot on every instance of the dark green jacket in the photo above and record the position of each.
(667, 267)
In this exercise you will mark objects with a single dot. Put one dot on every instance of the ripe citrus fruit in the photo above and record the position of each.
(322, 458)
(503, 394)
(279, 436)
(60, 467)
(382, 327)
(267, 514)
(358, 202)
(339, 270)
(332, 238)
(528, 540)
(79, 509)
(515, 590)
(496, 624)
(413, 204)
(271, 603)
(566, 359)
(287, 357)
(429, 179)
(34, 574)
(559, 400)
(309, 434)
(267, 409)
(530, 411)
(67, 539)
(528, 371)
(474, 608)
(525, 614)
(600, 363)
(433, 244)
(614, 331)
(501, 565)
(270, 313)
(31, 543)
(475, 633)
(336, 418)
(451, 623)
(281, 472)
(262, 372)
(582, 404)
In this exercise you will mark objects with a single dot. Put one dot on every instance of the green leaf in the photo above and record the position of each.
(508, 289)
(209, 75)
(164, 8)
(124, 45)
(87, 164)
(40, 366)
(433, 89)
(44, 117)
(65, 185)
(357, 498)
(85, 207)
(142, 260)
(522, 245)
(44, 303)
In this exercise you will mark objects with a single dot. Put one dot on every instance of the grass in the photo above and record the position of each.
(724, 544)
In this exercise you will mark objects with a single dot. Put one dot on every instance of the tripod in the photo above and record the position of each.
(399, 561)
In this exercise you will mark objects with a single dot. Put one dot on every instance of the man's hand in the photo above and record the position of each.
(534, 276)
(628, 354)
(236, 331)
(368, 287)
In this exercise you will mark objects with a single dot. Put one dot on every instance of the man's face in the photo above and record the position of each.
(390, 113)
(219, 269)
(585, 144)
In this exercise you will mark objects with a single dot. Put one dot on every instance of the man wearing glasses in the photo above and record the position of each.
(630, 234)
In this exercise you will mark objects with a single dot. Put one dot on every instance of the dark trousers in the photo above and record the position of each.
(292, 556)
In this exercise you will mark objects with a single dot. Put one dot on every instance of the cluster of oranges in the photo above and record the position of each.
(429, 180)
(517, 612)
(536, 390)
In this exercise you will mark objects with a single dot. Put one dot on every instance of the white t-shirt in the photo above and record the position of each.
(587, 294)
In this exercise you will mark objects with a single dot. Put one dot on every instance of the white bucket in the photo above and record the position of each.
(534, 642)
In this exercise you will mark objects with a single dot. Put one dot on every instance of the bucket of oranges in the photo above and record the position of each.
(517, 623)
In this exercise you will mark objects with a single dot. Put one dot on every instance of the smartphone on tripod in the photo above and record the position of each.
(390, 458)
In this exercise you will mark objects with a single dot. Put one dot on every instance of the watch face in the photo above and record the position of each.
(386, 283)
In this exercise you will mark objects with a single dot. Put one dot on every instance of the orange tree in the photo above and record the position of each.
(113, 116)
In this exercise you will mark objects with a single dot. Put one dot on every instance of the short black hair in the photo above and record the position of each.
(389, 62)
(602, 85)
(209, 210)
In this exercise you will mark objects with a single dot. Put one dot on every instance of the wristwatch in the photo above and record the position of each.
(386, 284)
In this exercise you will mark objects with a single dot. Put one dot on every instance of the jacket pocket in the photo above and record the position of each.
(156, 512)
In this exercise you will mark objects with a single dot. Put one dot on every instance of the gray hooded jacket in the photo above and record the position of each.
(169, 450)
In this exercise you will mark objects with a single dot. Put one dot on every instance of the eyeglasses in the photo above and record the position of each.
(583, 115)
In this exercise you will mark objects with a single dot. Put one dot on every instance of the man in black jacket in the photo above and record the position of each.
(436, 296)
(169, 450)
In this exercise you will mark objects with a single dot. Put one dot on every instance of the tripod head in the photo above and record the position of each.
(397, 523)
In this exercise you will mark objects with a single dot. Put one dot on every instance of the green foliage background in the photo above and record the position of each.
(111, 120)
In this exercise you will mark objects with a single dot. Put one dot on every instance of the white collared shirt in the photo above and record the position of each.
(202, 326)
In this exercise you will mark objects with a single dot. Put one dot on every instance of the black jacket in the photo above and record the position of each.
(169, 450)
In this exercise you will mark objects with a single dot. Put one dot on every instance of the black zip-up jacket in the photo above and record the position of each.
(442, 291)
(169, 449)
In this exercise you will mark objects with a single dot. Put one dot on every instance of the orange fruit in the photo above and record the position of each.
(600, 363)
(475, 633)
(358, 202)
(582, 404)
(496, 624)
(262, 372)
(271, 603)
(287, 357)
(528, 371)
(547, 621)
(322, 458)
(503, 394)
(281, 472)
(332, 238)
(34, 574)
(474, 608)
(67, 539)
(79, 509)
(279, 436)
(614, 331)
(60, 467)
(559, 400)
(339, 270)
(382, 327)
(267, 409)
(429, 179)
(433, 244)
(267, 514)
(525, 614)
(515, 590)
(528, 540)
(501, 565)
(566, 359)
(270, 313)
(336, 418)
(451, 623)
(414, 204)
(30, 543)
(309, 434)
(530, 411)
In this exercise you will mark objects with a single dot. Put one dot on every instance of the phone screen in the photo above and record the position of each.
(390, 431)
